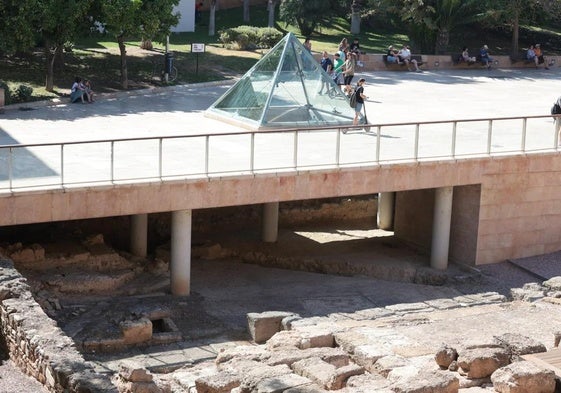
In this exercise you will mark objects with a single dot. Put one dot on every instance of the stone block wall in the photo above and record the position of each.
(37, 345)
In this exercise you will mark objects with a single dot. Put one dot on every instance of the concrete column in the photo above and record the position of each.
(386, 202)
(270, 223)
(139, 235)
(180, 263)
(441, 227)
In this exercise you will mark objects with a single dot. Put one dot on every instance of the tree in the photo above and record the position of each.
(356, 8)
(126, 19)
(51, 22)
(212, 19)
(60, 24)
(246, 11)
(432, 21)
(271, 5)
(513, 13)
(18, 27)
(306, 14)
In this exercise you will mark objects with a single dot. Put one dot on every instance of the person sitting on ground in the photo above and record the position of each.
(484, 57)
(355, 48)
(538, 57)
(360, 97)
(77, 91)
(391, 56)
(465, 57)
(89, 91)
(404, 56)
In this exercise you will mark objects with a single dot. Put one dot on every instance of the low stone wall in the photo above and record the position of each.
(37, 345)
(375, 62)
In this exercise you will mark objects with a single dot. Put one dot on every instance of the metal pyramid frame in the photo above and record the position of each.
(287, 88)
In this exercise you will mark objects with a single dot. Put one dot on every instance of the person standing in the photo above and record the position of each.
(338, 64)
(360, 97)
(349, 72)
(308, 44)
(327, 66)
(198, 12)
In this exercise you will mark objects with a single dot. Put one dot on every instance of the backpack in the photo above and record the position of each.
(556, 109)
(352, 99)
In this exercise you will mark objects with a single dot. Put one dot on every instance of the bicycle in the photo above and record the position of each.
(159, 71)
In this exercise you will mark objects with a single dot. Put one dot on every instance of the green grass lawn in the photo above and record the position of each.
(97, 57)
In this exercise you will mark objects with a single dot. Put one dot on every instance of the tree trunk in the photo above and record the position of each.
(271, 7)
(124, 72)
(246, 11)
(355, 17)
(49, 67)
(58, 62)
(515, 33)
(442, 41)
(212, 19)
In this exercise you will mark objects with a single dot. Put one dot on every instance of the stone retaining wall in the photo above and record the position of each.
(37, 345)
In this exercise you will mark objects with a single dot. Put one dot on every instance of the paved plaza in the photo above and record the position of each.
(394, 97)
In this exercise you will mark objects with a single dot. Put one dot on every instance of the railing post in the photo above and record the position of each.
(338, 148)
(454, 133)
(112, 161)
(295, 158)
(62, 164)
(523, 143)
(160, 157)
(378, 140)
(489, 137)
(10, 168)
(416, 154)
(207, 148)
(252, 153)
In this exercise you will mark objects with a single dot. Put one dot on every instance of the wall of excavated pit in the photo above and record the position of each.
(36, 344)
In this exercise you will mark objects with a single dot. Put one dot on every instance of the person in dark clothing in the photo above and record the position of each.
(360, 97)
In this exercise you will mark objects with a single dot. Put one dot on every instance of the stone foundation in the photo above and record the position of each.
(37, 345)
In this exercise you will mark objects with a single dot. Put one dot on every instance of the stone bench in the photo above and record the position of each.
(401, 66)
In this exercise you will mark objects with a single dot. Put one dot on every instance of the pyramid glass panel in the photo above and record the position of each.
(286, 88)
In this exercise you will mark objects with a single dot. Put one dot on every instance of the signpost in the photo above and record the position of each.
(197, 48)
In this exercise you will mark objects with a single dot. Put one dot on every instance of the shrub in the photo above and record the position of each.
(250, 37)
(7, 94)
(23, 93)
(269, 37)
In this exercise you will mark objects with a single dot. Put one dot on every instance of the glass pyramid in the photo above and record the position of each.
(286, 88)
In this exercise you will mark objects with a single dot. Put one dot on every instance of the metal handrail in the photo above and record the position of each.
(295, 164)
(283, 130)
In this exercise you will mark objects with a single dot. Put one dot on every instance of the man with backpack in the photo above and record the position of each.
(357, 98)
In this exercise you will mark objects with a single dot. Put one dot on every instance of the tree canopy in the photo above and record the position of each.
(306, 14)
(124, 19)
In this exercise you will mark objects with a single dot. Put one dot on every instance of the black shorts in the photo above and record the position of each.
(348, 79)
